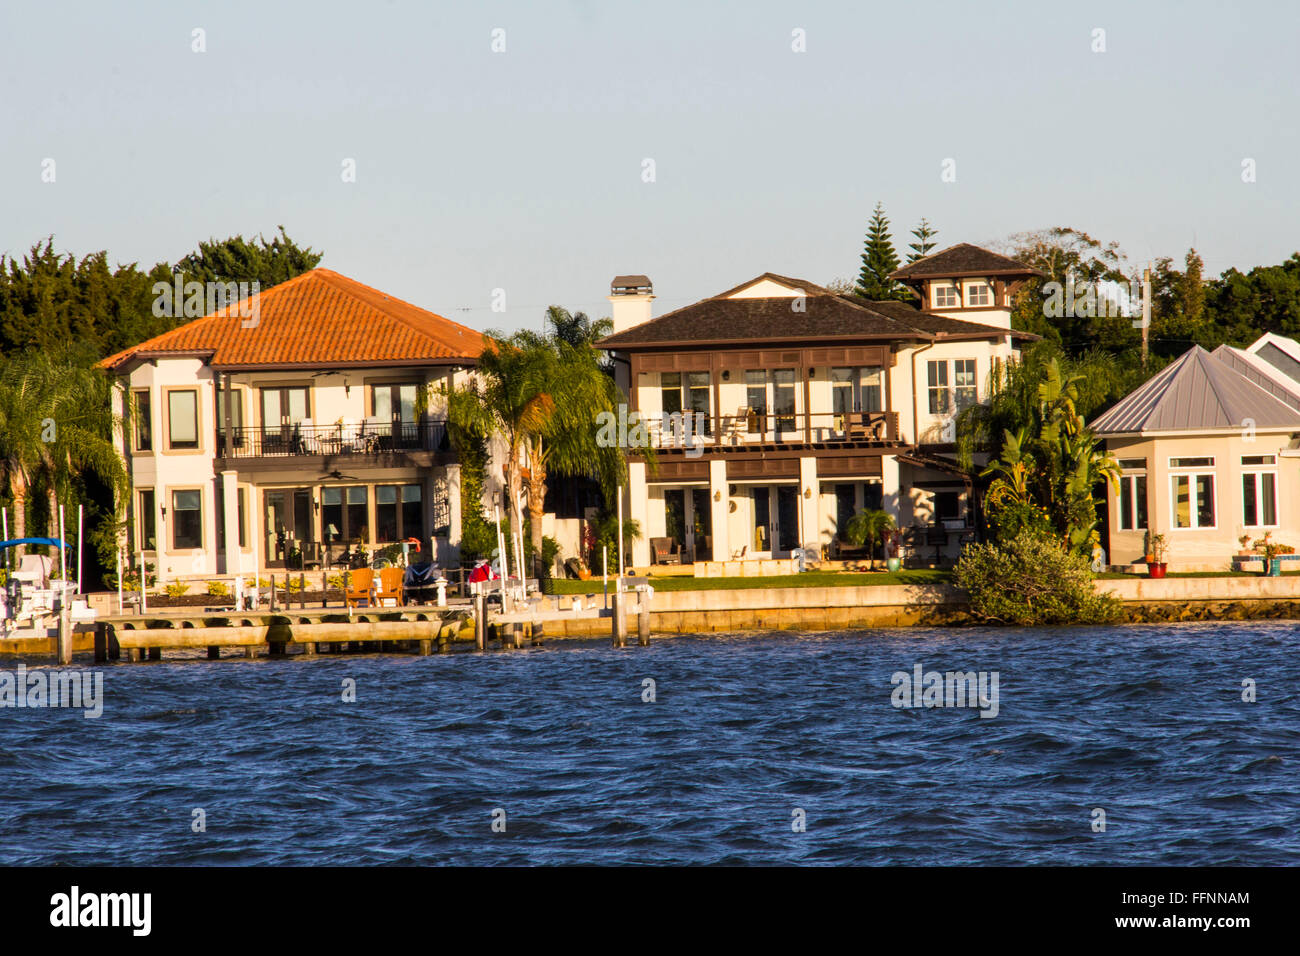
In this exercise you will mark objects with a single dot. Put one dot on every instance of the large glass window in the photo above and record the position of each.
(670, 384)
(183, 418)
(1132, 502)
(964, 388)
(236, 415)
(1193, 500)
(284, 406)
(143, 419)
(938, 387)
(1259, 499)
(857, 390)
(783, 398)
(187, 520)
(398, 513)
(344, 511)
(355, 514)
(697, 399)
(394, 402)
(146, 520)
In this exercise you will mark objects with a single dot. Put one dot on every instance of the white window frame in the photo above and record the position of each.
(1191, 473)
(956, 403)
(1255, 471)
(941, 293)
(979, 294)
(932, 389)
(1131, 476)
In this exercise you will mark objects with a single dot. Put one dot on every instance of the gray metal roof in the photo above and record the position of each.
(1197, 392)
(1235, 360)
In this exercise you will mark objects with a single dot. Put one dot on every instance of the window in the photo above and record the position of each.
(1132, 502)
(1191, 462)
(1280, 360)
(979, 294)
(845, 506)
(236, 415)
(857, 390)
(670, 384)
(1259, 499)
(187, 520)
(398, 513)
(938, 387)
(143, 420)
(1133, 464)
(240, 504)
(783, 398)
(697, 398)
(1193, 500)
(344, 510)
(965, 390)
(183, 418)
(284, 406)
(947, 506)
(945, 297)
(145, 521)
(393, 402)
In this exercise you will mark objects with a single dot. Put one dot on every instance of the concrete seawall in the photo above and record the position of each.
(901, 605)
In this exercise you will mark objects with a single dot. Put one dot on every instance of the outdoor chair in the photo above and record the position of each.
(361, 589)
(390, 586)
(665, 551)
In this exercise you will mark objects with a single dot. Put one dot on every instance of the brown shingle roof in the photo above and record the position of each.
(319, 319)
(963, 259)
(822, 314)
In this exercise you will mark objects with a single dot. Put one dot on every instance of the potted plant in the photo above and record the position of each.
(894, 562)
(1270, 550)
(1156, 564)
(1245, 551)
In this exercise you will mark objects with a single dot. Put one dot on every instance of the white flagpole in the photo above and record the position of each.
(63, 557)
(620, 537)
(119, 580)
(80, 524)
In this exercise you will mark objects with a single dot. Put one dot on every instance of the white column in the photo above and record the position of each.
(230, 518)
(810, 503)
(638, 509)
(720, 501)
(890, 492)
(452, 557)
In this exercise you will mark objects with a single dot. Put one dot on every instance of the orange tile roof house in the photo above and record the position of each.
(336, 433)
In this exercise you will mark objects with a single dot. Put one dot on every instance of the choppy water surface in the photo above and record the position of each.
(1146, 723)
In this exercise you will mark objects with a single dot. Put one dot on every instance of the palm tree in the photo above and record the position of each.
(541, 396)
(56, 422)
(869, 527)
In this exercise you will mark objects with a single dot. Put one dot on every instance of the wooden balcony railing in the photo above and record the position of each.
(765, 428)
(367, 438)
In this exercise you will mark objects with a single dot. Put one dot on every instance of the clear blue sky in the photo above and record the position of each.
(522, 170)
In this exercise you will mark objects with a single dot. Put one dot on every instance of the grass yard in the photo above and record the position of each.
(809, 579)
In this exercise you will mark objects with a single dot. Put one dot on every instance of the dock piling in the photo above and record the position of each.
(480, 621)
(619, 618)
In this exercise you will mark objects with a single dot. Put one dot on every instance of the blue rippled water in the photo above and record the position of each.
(1146, 723)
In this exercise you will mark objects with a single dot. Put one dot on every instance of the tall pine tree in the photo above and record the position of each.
(878, 260)
(924, 245)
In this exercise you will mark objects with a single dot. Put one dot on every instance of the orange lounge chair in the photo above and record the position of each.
(362, 588)
(390, 586)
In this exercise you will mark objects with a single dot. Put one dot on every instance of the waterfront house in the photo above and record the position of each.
(277, 434)
(779, 408)
(1208, 451)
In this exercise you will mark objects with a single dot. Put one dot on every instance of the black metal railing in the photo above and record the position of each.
(752, 427)
(367, 438)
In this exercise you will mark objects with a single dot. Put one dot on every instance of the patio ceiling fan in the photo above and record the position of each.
(338, 476)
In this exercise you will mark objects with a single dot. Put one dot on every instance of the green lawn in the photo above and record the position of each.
(810, 579)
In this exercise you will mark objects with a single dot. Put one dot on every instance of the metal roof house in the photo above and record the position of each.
(1207, 453)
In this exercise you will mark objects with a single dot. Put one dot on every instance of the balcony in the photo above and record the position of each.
(758, 429)
(370, 439)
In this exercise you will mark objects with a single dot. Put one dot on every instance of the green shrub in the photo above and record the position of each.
(336, 582)
(1031, 579)
(177, 589)
(218, 589)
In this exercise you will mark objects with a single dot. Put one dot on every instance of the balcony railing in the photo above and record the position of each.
(366, 438)
(757, 427)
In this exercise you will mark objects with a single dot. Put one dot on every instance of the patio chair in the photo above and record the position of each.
(665, 551)
(390, 586)
(362, 588)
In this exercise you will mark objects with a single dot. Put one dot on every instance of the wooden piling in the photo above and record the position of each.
(426, 648)
(273, 607)
(302, 590)
(643, 619)
(480, 621)
(101, 642)
(65, 631)
(619, 618)
(155, 653)
(324, 589)
(214, 653)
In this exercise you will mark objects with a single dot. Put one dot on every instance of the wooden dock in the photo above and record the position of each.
(307, 631)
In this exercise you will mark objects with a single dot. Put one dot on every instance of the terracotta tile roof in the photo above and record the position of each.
(318, 319)
(963, 259)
